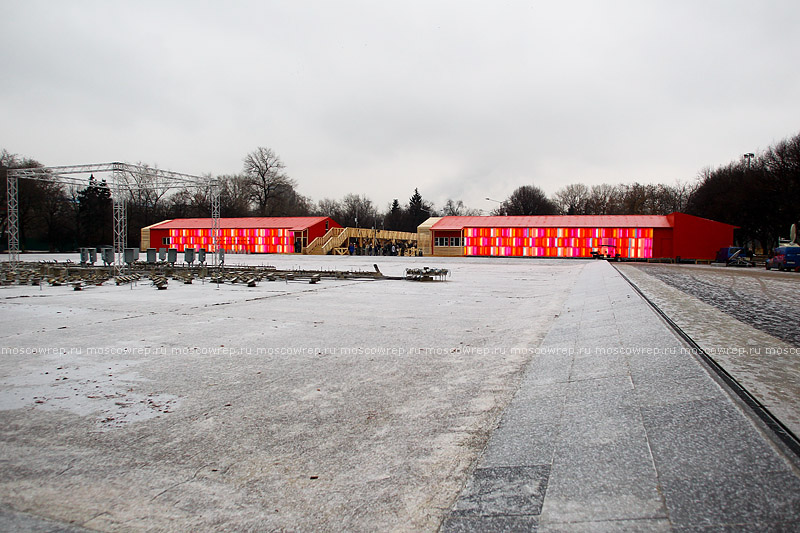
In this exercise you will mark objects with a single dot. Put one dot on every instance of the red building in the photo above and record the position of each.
(628, 236)
(255, 235)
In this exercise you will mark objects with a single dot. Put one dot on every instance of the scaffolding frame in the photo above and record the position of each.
(120, 185)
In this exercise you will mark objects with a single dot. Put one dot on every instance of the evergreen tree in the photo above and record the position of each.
(393, 219)
(95, 216)
(418, 211)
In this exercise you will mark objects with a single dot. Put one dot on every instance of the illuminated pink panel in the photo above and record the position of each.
(242, 240)
(559, 242)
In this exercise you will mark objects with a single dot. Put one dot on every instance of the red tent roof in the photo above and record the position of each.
(554, 221)
(292, 223)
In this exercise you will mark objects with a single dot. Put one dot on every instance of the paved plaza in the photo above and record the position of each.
(618, 427)
(747, 319)
(518, 395)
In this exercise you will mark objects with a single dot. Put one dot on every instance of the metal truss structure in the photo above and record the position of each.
(125, 178)
(215, 224)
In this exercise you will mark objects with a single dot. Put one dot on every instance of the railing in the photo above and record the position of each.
(336, 240)
(336, 237)
(311, 248)
(315, 247)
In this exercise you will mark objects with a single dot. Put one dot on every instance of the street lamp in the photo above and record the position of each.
(749, 156)
(500, 210)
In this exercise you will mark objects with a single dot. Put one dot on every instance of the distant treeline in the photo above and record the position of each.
(759, 193)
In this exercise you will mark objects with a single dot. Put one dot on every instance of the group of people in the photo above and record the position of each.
(389, 248)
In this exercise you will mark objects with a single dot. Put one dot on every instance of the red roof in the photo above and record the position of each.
(292, 223)
(554, 221)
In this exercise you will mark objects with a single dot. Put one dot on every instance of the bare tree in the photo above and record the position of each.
(573, 199)
(234, 198)
(681, 193)
(146, 193)
(358, 211)
(235, 195)
(528, 200)
(146, 188)
(351, 211)
(266, 179)
(636, 199)
(194, 202)
(759, 196)
(604, 199)
(457, 208)
(34, 198)
(292, 204)
(328, 207)
(181, 203)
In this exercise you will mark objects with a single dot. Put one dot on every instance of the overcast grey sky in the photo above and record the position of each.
(461, 99)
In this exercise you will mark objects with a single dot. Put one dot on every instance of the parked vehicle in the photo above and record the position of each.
(735, 256)
(785, 258)
(724, 254)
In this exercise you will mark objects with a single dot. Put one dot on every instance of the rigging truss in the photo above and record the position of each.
(125, 178)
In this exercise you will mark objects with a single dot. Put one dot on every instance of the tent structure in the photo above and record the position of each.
(258, 235)
(624, 236)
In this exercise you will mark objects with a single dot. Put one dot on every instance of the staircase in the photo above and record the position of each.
(335, 238)
(320, 245)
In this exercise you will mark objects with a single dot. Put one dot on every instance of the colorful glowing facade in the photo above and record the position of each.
(627, 237)
(236, 240)
(559, 242)
(253, 235)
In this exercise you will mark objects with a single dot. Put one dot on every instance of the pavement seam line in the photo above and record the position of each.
(778, 429)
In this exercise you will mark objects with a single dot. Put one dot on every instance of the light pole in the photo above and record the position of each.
(423, 210)
(749, 156)
(499, 210)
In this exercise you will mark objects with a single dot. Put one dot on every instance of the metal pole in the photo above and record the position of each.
(120, 219)
(12, 199)
(215, 201)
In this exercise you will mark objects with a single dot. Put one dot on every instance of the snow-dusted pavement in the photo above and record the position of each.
(355, 405)
(747, 319)
(368, 406)
(618, 426)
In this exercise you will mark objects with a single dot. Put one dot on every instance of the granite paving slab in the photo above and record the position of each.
(635, 433)
(12, 520)
(740, 318)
